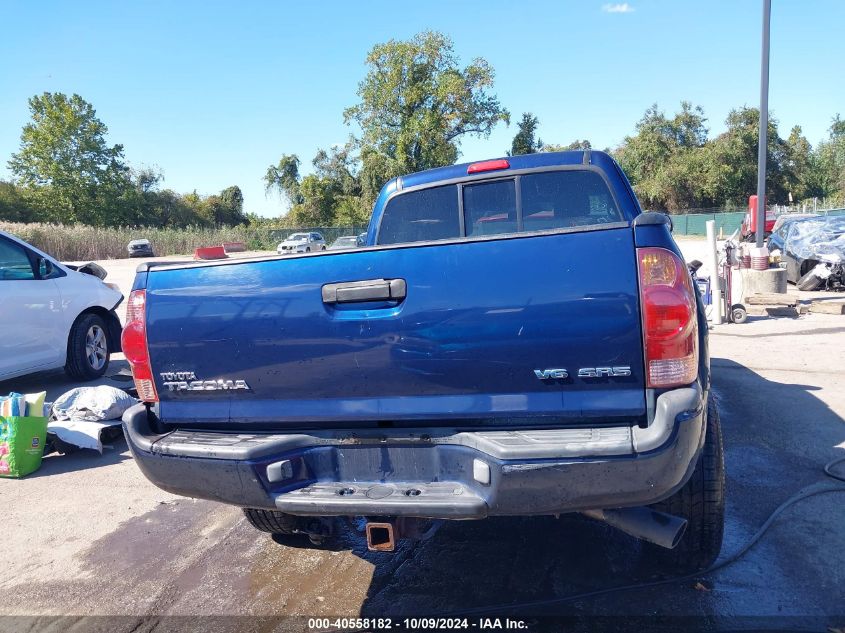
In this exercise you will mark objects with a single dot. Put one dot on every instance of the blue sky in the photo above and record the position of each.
(214, 92)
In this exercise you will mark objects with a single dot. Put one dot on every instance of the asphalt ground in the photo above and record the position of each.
(87, 535)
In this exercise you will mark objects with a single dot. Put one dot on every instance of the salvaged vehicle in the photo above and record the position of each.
(813, 250)
(786, 218)
(54, 315)
(776, 240)
(516, 338)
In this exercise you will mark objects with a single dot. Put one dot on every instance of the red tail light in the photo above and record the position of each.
(488, 165)
(670, 328)
(134, 341)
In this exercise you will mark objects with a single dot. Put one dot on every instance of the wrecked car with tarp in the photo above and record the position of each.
(814, 253)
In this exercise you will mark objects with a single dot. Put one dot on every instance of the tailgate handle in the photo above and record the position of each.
(368, 290)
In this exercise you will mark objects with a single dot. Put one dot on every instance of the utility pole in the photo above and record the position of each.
(764, 126)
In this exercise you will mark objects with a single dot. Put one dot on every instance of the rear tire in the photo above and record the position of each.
(88, 348)
(271, 521)
(809, 281)
(702, 503)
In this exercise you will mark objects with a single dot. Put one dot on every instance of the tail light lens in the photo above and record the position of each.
(670, 327)
(134, 341)
(488, 165)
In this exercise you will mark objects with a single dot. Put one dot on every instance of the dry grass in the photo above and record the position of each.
(80, 242)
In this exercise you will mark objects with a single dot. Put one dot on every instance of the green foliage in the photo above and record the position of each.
(284, 178)
(332, 195)
(574, 145)
(673, 165)
(663, 157)
(416, 105)
(14, 206)
(830, 160)
(67, 169)
(66, 172)
(525, 141)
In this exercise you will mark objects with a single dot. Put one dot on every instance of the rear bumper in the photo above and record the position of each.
(434, 473)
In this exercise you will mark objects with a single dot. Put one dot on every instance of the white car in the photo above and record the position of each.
(52, 315)
(302, 243)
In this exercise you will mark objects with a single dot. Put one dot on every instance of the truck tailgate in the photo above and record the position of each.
(470, 342)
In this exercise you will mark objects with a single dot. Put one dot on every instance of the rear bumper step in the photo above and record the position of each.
(441, 474)
(441, 499)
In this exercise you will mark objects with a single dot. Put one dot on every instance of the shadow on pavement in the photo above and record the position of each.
(82, 459)
(777, 438)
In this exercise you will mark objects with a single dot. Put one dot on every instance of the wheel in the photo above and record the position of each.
(809, 281)
(738, 313)
(87, 348)
(702, 503)
(272, 521)
(307, 249)
(323, 247)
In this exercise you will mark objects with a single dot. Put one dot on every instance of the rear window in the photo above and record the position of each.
(427, 214)
(564, 199)
(547, 201)
(490, 207)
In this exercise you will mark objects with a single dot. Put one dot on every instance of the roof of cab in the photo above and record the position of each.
(524, 161)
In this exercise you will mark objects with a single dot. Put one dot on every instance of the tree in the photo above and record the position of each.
(525, 141)
(829, 162)
(232, 202)
(14, 207)
(284, 178)
(735, 159)
(574, 145)
(332, 195)
(665, 159)
(416, 103)
(799, 166)
(70, 171)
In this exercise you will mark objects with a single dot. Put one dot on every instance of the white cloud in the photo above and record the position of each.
(619, 7)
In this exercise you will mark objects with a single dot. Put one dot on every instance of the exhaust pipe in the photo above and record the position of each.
(380, 537)
(644, 523)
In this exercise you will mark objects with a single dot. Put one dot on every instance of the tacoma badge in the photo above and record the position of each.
(187, 381)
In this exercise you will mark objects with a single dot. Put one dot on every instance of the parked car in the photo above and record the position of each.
(517, 338)
(54, 315)
(140, 248)
(813, 251)
(345, 242)
(302, 243)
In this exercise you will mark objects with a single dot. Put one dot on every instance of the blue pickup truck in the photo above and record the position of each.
(516, 337)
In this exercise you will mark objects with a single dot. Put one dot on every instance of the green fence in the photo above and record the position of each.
(726, 223)
(696, 223)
